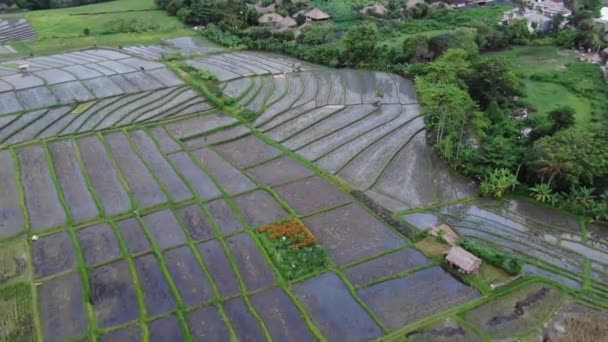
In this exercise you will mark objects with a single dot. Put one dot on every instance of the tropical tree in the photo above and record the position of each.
(562, 118)
(572, 155)
(360, 44)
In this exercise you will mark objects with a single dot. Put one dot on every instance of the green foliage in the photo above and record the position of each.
(498, 182)
(580, 198)
(128, 26)
(206, 75)
(295, 263)
(360, 44)
(492, 79)
(416, 49)
(317, 34)
(499, 259)
(571, 156)
(543, 193)
(420, 235)
(562, 118)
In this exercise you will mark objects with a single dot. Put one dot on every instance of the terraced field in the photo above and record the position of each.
(16, 29)
(188, 46)
(85, 91)
(365, 127)
(138, 212)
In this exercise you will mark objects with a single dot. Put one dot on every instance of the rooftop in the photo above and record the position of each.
(316, 14)
(463, 259)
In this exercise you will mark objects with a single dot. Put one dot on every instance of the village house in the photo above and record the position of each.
(270, 18)
(287, 22)
(539, 15)
(262, 10)
(316, 15)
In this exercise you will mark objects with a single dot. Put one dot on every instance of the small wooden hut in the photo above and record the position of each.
(463, 260)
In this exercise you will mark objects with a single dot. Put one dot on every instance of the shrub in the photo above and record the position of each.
(293, 249)
(498, 182)
(206, 75)
(543, 193)
(499, 259)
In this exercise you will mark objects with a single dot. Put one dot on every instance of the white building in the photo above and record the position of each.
(539, 15)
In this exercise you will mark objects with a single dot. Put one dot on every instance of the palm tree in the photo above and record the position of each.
(549, 169)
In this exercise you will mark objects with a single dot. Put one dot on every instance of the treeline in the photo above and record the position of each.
(47, 4)
(469, 103)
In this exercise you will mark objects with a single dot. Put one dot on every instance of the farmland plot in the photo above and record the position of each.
(117, 225)
(365, 127)
(156, 227)
(92, 90)
(16, 29)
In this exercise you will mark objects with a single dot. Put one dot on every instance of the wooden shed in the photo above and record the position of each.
(463, 260)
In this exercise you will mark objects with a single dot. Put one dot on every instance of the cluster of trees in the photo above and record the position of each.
(46, 4)
(232, 13)
(468, 101)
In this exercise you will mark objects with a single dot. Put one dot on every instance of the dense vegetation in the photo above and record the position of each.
(475, 100)
(512, 265)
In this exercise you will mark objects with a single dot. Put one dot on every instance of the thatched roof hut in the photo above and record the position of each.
(375, 8)
(316, 14)
(270, 18)
(465, 261)
(448, 235)
(287, 22)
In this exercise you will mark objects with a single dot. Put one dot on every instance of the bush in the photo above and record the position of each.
(128, 26)
(499, 259)
(498, 183)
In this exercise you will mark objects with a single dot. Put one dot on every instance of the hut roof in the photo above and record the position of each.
(378, 8)
(288, 22)
(449, 235)
(316, 14)
(270, 18)
(264, 10)
(466, 261)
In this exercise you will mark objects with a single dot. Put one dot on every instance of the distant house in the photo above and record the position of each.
(316, 15)
(262, 10)
(463, 260)
(287, 22)
(551, 8)
(270, 18)
(539, 16)
(379, 9)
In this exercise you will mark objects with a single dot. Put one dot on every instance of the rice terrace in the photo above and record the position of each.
(158, 186)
